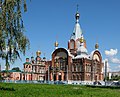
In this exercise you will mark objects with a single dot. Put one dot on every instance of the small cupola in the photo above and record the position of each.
(96, 46)
(56, 44)
(38, 53)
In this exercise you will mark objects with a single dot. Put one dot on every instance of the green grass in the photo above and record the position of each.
(42, 90)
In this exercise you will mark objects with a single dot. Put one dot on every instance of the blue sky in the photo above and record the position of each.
(49, 20)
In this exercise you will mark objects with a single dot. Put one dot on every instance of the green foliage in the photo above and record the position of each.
(12, 39)
(117, 78)
(43, 90)
(110, 87)
(7, 89)
(0, 77)
(114, 78)
(16, 68)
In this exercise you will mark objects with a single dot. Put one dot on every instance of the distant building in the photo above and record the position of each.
(11, 75)
(34, 69)
(113, 74)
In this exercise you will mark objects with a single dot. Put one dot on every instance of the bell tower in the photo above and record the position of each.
(74, 42)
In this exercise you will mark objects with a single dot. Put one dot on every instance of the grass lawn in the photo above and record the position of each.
(43, 90)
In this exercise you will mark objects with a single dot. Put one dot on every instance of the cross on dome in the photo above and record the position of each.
(77, 15)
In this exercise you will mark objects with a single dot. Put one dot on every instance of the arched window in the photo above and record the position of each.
(89, 68)
(86, 68)
(74, 67)
(80, 68)
(77, 77)
(78, 43)
(80, 77)
(26, 66)
(74, 78)
(89, 77)
(72, 43)
(35, 68)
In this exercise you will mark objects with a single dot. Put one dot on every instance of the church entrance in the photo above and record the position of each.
(54, 78)
(60, 78)
(96, 78)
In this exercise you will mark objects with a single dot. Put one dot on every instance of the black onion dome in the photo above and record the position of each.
(77, 16)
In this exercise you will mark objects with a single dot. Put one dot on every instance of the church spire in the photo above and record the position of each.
(77, 7)
(77, 32)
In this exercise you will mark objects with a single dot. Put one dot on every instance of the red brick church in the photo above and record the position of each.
(75, 64)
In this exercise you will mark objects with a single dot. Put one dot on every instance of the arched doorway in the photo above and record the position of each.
(54, 77)
(60, 77)
(95, 77)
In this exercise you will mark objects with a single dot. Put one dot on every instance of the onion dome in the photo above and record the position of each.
(81, 50)
(77, 15)
(44, 58)
(32, 58)
(96, 46)
(81, 40)
(38, 53)
(56, 44)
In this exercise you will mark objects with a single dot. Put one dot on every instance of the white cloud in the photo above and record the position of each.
(117, 67)
(115, 60)
(111, 52)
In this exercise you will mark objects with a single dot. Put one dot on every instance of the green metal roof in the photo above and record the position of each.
(10, 71)
(27, 63)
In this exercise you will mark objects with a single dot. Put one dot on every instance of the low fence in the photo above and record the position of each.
(34, 81)
(102, 83)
